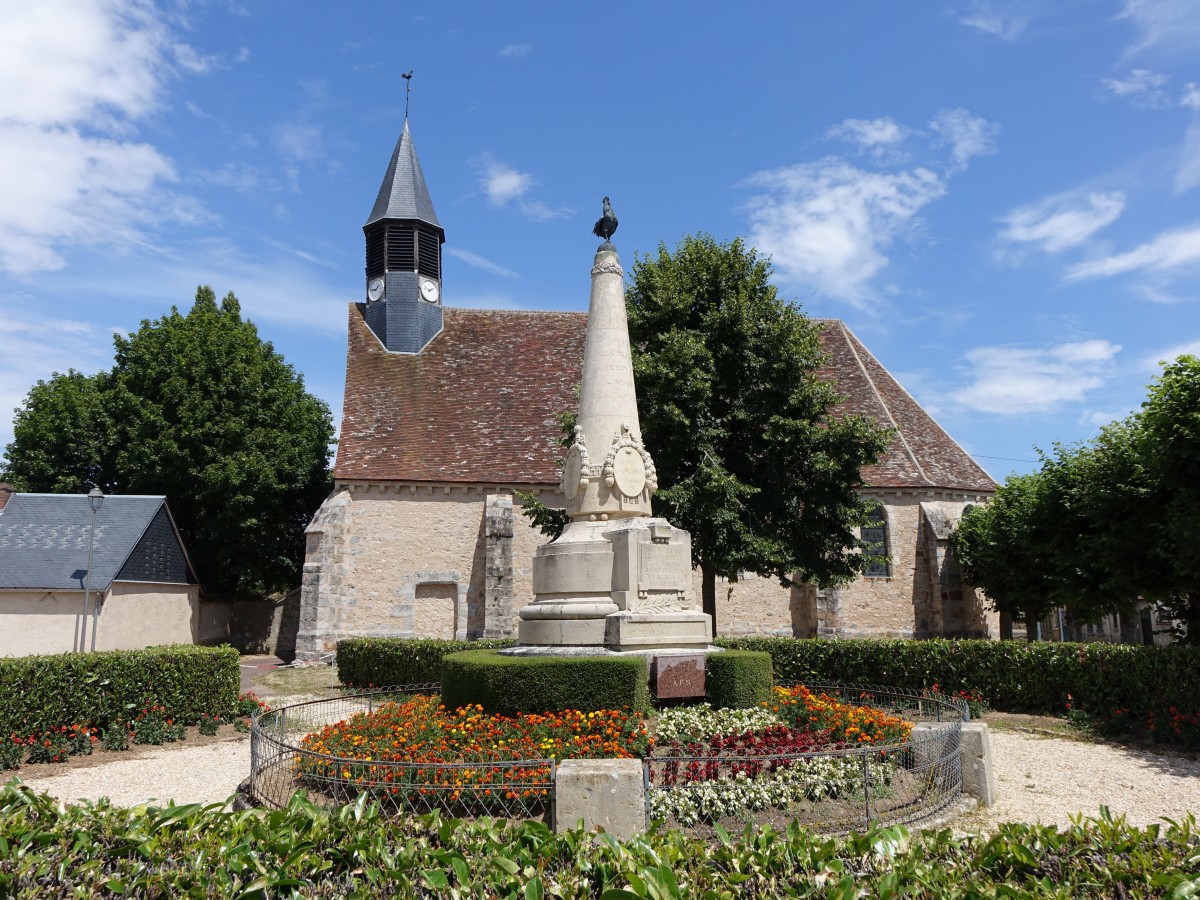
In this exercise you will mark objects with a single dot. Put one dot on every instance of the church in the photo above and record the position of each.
(449, 413)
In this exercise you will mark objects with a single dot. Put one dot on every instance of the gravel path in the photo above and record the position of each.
(203, 774)
(1045, 779)
(1038, 779)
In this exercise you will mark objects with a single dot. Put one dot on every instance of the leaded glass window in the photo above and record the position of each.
(875, 544)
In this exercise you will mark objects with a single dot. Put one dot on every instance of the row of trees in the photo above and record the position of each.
(753, 460)
(199, 408)
(1104, 523)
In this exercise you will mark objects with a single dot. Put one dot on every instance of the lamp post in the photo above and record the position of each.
(95, 501)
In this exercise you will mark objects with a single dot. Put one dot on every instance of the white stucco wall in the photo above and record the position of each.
(39, 622)
(137, 614)
(132, 615)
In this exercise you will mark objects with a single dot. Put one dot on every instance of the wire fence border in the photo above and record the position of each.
(279, 765)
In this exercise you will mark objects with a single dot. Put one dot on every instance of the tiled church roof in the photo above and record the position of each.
(480, 404)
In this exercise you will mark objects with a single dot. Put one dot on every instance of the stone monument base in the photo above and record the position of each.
(676, 630)
(621, 585)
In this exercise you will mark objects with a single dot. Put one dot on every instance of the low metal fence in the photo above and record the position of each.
(827, 790)
(280, 764)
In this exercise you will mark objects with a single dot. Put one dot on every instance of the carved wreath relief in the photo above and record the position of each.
(628, 466)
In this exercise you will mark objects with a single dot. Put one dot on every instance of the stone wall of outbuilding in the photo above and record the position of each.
(454, 561)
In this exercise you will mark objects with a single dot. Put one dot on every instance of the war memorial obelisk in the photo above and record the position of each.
(617, 579)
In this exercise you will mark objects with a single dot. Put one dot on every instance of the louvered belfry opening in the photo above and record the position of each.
(429, 254)
(403, 247)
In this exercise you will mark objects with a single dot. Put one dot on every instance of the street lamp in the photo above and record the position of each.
(95, 501)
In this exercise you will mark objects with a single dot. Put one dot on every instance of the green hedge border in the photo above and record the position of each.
(38, 693)
(393, 662)
(507, 685)
(1013, 676)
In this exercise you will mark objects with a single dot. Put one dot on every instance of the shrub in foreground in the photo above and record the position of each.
(395, 662)
(353, 851)
(39, 693)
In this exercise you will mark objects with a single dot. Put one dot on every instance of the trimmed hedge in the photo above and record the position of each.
(393, 662)
(1013, 676)
(507, 685)
(38, 693)
(737, 679)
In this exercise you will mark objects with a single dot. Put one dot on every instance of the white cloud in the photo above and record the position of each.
(1191, 96)
(966, 134)
(1172, 26)
(187, 57)
(1170, 250)
(1142, 87)
(1062, 221)
(479, 262)
(826, 223)
(1005, 21)
(75, 77)
(299, 141)
(875, 135)
(1022, 381)
(504, 185)
(1152, 362)
(1187, 176)
(501, 182)
(514, 51)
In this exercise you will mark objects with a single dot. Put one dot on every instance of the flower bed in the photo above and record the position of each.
(722, 763)
(463, 760)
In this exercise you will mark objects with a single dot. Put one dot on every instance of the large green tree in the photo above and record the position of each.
(1170, 451)
(199, 408)
(755, 459)
(1102, 524)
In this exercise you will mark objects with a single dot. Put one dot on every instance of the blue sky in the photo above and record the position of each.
(1002, 199)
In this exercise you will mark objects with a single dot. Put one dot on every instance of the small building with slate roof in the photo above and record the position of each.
(141, 577)
(448, 413)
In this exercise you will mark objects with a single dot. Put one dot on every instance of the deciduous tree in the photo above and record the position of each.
(199, 408)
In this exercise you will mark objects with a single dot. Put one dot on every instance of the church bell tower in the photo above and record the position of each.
(404, 256)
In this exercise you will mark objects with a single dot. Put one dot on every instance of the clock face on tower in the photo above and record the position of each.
(429, 290)
(375, 289)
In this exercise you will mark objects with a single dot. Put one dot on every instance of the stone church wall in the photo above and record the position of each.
(454, 561)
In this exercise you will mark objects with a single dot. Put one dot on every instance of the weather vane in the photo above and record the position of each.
(407, 76)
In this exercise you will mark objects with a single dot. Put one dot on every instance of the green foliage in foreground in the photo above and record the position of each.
(397, 662)
(48, 851)
(738, 679)
(508, 685)
(38, 693)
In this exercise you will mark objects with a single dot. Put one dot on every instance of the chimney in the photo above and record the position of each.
(6, 491)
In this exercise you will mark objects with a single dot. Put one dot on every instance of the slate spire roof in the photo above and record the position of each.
(480, 404)
(404, 194)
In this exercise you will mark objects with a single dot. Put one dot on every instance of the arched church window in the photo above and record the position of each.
(875, 544)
